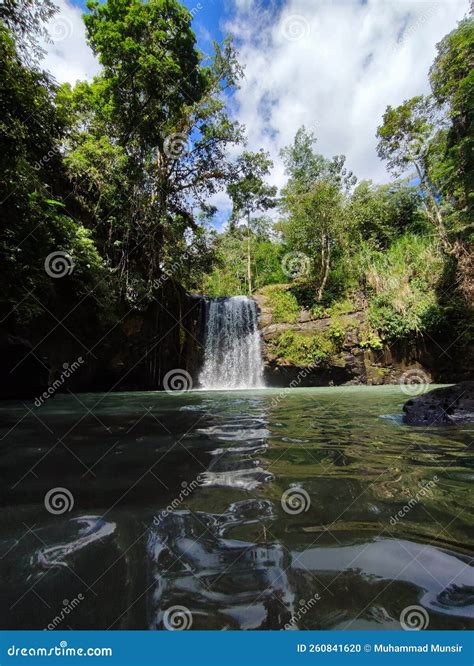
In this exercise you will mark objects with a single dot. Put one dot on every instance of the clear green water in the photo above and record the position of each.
(230, 551)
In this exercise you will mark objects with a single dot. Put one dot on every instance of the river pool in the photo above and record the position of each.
(262, 509)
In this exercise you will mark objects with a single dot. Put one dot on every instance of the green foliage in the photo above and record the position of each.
(342, 307)
(337, 331)
(452, 82)
(229, 266)
(282, 303)
(26, 20)
(403, 283)
(369, 339)
(118, 174)
(380, 213)
(303, 350)
(434, 135)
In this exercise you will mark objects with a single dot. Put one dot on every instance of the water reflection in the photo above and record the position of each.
(225, 582)
(213, 469)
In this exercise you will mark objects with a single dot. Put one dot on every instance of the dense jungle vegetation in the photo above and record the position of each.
(117, 174)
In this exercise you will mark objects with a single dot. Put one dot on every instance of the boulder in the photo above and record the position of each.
(442, 406)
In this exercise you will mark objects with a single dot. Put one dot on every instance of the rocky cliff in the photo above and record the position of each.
(132, 351)
(334, 350)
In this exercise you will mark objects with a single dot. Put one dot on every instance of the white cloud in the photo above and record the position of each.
(68, 56)
(334, 66)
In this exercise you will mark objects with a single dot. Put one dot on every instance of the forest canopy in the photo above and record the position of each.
(113, 179)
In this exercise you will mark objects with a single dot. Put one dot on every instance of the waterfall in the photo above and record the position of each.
(232, 356)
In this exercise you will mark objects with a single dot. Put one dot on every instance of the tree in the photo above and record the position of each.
(380, 213)
(405, 139)
(156, 115)
(26, 19)
(250, 193)
(452, 83)
(229, 273)
(312, 202)
(33, 187)
(314, 226)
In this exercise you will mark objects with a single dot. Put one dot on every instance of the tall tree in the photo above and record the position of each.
(162, 106)
(250, 193)
(405, 141)
(312, 202)
(452, 83)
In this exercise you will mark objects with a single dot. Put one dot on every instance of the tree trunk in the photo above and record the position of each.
(436, 216)
(325, 264)
(249, 258)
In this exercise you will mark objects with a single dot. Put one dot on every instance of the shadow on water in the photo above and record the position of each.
(309, 509)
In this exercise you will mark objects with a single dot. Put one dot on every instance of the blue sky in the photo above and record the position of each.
(207, 16)
(332, 65)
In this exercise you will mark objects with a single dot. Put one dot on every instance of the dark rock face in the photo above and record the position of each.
(23, 371)
(443, 406)
(136, 352)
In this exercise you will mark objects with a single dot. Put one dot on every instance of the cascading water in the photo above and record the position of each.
(232, 357)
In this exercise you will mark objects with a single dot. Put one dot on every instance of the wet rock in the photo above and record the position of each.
(443, 406)
(23, 371)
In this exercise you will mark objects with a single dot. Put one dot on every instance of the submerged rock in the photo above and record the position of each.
(442, 406)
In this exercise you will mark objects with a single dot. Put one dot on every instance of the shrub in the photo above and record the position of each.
(282, 303)
(303, 350)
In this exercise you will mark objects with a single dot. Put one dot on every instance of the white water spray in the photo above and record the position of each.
(233, 357)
